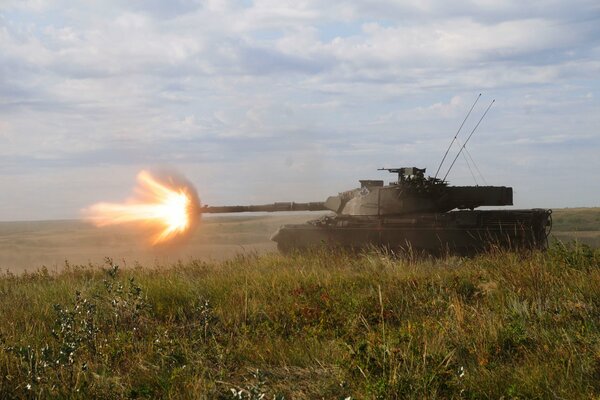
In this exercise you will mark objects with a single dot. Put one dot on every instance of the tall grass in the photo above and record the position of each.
(326, 324)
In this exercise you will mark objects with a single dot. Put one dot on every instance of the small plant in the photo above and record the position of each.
(204, 311)
(255, 390)
(34, 362)
(75, 334)
(75, 328)
(128, 303)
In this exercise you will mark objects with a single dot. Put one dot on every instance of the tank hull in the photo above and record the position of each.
(457, 232)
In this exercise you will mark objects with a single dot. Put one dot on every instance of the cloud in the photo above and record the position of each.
(307, 93)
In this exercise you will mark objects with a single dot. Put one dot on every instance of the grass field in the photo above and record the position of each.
(324, 325)
(581, 224)
(327, 324)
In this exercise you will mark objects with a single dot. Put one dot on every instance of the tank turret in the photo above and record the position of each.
(413, 192)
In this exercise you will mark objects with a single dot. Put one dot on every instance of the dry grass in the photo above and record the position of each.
(322, 325)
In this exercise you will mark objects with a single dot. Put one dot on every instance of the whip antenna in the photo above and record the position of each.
(471, 134)
(455, 136)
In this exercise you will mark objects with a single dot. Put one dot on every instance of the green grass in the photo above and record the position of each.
(323, 325)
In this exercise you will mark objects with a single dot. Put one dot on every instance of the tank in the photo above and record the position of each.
(413, 213)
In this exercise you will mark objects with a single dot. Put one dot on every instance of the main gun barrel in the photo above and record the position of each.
(274, 207)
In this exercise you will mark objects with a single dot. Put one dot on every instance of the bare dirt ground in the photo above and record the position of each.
(29, 245)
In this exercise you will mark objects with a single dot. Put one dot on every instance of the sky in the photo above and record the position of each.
(279, 100)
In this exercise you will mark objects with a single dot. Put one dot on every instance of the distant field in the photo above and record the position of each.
(581, 224)
(29, 245)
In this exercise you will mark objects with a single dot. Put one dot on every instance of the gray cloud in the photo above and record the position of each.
(311, 95)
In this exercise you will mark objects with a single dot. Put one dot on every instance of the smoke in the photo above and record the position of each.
(174, 179)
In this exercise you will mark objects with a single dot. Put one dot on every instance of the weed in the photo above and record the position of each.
(575, 254)
(128, 302)
(206, 317)
(255, 390)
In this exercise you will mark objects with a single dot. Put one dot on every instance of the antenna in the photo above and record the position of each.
(471, 134)
(455, 136)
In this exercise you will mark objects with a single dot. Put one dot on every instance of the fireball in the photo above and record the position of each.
(169, 209)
